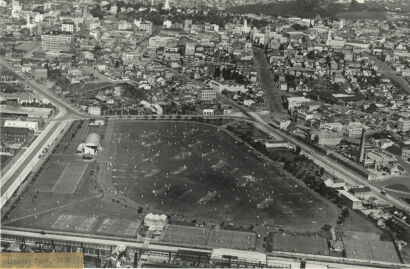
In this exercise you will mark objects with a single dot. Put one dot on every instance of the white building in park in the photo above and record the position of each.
(31, 125)
(94, 110)
(91, 145)
(208, 111)
(155, 222)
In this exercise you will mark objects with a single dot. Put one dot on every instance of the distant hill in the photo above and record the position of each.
(305, 8)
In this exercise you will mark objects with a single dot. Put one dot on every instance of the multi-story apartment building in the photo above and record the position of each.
(67, 27)
(208, 95)
(57, 42)
(403, 125)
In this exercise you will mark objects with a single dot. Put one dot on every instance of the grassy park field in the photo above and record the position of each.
(189, 171)
(201, 173)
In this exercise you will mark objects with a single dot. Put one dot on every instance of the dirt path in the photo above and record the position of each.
(52, 209)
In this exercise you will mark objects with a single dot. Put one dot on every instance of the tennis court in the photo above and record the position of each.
(74, 223)
(185, 235)
(70, 178)
(219, 238)
(119, 227)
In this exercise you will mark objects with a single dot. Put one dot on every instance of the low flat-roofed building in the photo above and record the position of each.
(323, 137)
(31, 125)
(277, 144)
(14, 134)
(350, 200)
(29, 112)
(208, 111)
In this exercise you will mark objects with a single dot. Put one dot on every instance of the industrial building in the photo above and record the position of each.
(380, 159)
(25, 111)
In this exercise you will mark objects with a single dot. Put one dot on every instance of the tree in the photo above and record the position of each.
(345, 213)
(97, 51)
(97, 12)
(326, 227)
(298, 150)
(321, 171)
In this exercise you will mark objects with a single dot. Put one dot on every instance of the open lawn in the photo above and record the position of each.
(199, 172)
(185, 170)
(70, 177)
(368, 246)
(65, 196)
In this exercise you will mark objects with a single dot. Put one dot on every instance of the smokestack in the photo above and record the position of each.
(362, 144)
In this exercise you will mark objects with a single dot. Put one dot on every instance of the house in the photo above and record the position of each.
(94, 110)
(405, 154)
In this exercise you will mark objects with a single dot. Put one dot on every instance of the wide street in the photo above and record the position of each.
(386, 70)
(64, 108)
(267, 83)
